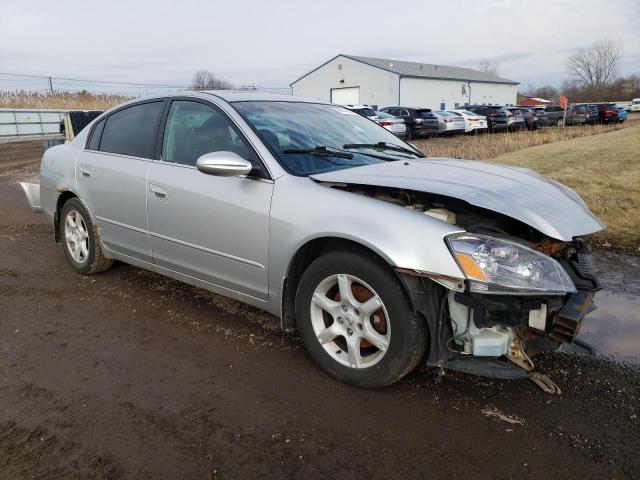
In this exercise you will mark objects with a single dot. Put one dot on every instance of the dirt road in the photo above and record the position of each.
(130, 375)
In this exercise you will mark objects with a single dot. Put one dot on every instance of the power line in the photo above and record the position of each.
(104, 82)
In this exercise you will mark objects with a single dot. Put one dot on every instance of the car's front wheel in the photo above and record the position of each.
(356, 321)
(79, 239)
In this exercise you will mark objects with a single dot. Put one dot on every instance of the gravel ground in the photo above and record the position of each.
(131, 375)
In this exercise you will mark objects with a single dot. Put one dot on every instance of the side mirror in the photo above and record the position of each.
(223, 164)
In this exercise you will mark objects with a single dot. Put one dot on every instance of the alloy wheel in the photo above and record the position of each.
(350, 321)
(76, 236)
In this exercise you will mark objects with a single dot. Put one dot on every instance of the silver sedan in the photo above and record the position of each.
(395, 125)
(374, 254)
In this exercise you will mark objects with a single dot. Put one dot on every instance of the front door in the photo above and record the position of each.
(212, 228)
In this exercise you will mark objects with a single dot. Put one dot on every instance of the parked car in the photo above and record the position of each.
(607, 113)
(449, 123)
(395, 125)
(622, 114)
(473, 123)
(515, 119)
(496, 116)
(592, 116)
(626, 106)
(543, 117)
(364, 110)
(576, 115)
(635, 105)
(376, 256)
(527, 116)
(420, 122)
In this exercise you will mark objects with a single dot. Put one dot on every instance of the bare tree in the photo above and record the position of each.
(593, 67)
(548, 92)
(492, 67)
(205, 80)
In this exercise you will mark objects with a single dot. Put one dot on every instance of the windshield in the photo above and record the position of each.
(292, 130)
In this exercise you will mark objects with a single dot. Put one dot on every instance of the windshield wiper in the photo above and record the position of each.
(384, 146)
(320, 150)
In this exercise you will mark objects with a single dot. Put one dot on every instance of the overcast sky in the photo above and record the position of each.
(272, 43)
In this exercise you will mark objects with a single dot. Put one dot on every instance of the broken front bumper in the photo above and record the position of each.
(496, 335)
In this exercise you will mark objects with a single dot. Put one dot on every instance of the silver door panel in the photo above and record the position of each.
(114, 188)
(213, 228)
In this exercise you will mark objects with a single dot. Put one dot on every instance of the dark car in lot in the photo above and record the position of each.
(496, 116)
(543, 116)
(592, 116)
(420, 122)
(607, 113)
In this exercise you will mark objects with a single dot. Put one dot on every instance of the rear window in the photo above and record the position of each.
(424, 113)
(94, 141)
(384, 115)
(132, 131)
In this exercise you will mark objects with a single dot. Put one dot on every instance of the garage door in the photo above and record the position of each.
(346, 96)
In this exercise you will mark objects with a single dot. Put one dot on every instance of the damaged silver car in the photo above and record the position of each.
(377, 256)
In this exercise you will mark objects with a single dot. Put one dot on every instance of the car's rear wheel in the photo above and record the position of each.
(560, 122)
(356, 321)
(78, 237)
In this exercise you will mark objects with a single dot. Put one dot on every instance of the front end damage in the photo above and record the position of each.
(499, 335)
(494, 333)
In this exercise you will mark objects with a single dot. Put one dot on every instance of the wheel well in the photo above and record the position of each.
(303, 258)
(62, 199)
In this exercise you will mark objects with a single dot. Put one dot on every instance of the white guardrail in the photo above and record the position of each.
(30, 123)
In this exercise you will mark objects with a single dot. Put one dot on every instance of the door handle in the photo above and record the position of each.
(85, 172)
(157, 191)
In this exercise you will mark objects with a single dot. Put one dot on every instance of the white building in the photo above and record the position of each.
(352, 80)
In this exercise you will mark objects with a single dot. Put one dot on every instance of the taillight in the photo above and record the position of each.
(446, 120)
(386, 124)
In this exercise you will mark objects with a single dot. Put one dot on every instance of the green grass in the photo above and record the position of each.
(604, 169)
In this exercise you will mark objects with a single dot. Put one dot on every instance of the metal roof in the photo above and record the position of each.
(243, 95)
(423, 70)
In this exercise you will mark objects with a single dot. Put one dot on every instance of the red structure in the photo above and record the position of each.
(533, 101)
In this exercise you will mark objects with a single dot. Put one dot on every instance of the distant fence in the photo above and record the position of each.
(30, 123)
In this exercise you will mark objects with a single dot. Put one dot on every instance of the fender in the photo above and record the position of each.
(404, 238)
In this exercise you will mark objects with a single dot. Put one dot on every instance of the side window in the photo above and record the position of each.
(132, 131)
(94, 141)
(404, 113)
(194, 129)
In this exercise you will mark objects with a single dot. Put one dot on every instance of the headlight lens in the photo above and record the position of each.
(494, 265)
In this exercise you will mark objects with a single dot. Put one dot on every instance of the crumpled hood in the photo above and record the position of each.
(520, 193)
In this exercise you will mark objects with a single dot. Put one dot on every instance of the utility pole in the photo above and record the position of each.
(50, 85)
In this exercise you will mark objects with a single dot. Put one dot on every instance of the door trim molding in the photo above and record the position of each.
(207, 250)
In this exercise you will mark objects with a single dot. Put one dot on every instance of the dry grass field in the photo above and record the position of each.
(62, 100)
(604, 170)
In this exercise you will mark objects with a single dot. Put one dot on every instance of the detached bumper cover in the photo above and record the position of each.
(32, 192)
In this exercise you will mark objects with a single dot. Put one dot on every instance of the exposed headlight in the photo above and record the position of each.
(494, 265)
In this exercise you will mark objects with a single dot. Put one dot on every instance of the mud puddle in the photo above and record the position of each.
(614, 328)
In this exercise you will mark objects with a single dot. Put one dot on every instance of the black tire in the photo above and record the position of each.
(408, 337)
(95, 261)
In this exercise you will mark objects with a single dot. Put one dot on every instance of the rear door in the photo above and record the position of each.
(111, 176)
(211, 228)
